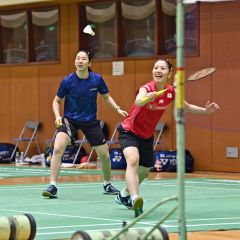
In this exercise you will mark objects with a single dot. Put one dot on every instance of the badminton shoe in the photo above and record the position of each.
(137, 206)
(110, 189)
(125, 201)
(50, 192)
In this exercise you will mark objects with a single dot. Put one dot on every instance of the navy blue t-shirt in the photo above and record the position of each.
(80, 103)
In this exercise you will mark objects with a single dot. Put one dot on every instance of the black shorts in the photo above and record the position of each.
(92, 131)
(144, 146)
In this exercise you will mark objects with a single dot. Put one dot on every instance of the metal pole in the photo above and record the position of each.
(180, 120)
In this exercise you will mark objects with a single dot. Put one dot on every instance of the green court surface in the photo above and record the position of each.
(31, 171)
(211, 204)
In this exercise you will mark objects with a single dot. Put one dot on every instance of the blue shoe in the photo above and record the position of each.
(125, 201)
(110, 189)
(50, 192)
(137, 206)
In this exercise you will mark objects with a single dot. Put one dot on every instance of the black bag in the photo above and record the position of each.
(118, 160)
(168, 161)
(68, 156)
(6, 151)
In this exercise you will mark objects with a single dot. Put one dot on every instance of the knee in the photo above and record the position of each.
(104, 156)
(132, 161)
(58, 150)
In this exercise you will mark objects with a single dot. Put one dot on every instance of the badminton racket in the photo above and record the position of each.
(158, 93)
(199, 74)
(195, 76)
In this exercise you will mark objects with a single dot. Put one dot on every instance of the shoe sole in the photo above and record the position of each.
(120, 203)
(48, 195)
(113, 193)
(138, 206)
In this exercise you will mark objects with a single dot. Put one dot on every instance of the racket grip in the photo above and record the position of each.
(159, 93)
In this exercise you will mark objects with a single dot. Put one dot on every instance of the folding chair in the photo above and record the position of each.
(49, 142)
(30, 128)
(159, 129)
(83, 141)
(113, 139)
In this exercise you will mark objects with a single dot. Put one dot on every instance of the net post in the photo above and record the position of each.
(180, 120)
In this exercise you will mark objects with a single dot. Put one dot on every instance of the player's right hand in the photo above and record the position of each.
(151, 96)
(58, 121)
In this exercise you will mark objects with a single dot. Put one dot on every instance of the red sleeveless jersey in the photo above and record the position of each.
(143, 120)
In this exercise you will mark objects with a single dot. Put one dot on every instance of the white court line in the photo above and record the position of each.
(189, 186)
(73, 216)
(192, 182)
(39, 171)
(148, 228)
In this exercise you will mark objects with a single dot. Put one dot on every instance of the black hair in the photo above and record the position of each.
(170, 65)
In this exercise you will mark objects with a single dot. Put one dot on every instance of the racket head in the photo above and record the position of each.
(201, 73)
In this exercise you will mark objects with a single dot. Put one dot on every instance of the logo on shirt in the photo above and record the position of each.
(169, 95)
(155, 107)
(93, 89)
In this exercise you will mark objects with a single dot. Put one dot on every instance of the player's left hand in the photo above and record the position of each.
(122, 112)
(211, 107)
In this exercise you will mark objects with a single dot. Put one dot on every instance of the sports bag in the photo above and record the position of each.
(68, 156)
(6, 151)
(118, 160)
(168, 161)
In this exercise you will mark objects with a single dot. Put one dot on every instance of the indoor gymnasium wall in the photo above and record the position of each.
(27, 91)
(208, 136)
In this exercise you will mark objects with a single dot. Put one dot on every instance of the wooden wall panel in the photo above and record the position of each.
(73, 34)
(24, 97)
(226, 57)
(5, 104)
(121, 88)
(198, 128)
(50, 76)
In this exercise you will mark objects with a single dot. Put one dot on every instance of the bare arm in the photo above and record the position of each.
(107, 98)
(142, 94)
(56, 110)
(210, 108)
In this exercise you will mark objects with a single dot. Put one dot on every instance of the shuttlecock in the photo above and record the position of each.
(89, 29)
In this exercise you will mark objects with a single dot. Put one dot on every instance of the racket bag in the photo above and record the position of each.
(118, 160)
(68, 156)
(168, 160)
(6, 151)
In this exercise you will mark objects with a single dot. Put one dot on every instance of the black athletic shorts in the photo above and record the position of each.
(92, 131)
(144, 146)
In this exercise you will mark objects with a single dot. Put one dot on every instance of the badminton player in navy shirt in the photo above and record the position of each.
(79, 91)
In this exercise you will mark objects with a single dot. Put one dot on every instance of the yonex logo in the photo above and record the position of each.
(117, 157)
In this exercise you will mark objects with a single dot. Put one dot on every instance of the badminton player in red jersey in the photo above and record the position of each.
(136, 131)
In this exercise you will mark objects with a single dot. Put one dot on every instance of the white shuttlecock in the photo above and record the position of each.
(89, 30)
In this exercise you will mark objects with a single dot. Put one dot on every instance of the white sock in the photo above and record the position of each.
(124, 193)
(53, 183)
(134, 197)
(106, 183)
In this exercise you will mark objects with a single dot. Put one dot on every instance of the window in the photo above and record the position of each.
(169, 28)
(29, 36)
(136, 28)
(45, 35)
(102, 16)
(14, 37)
